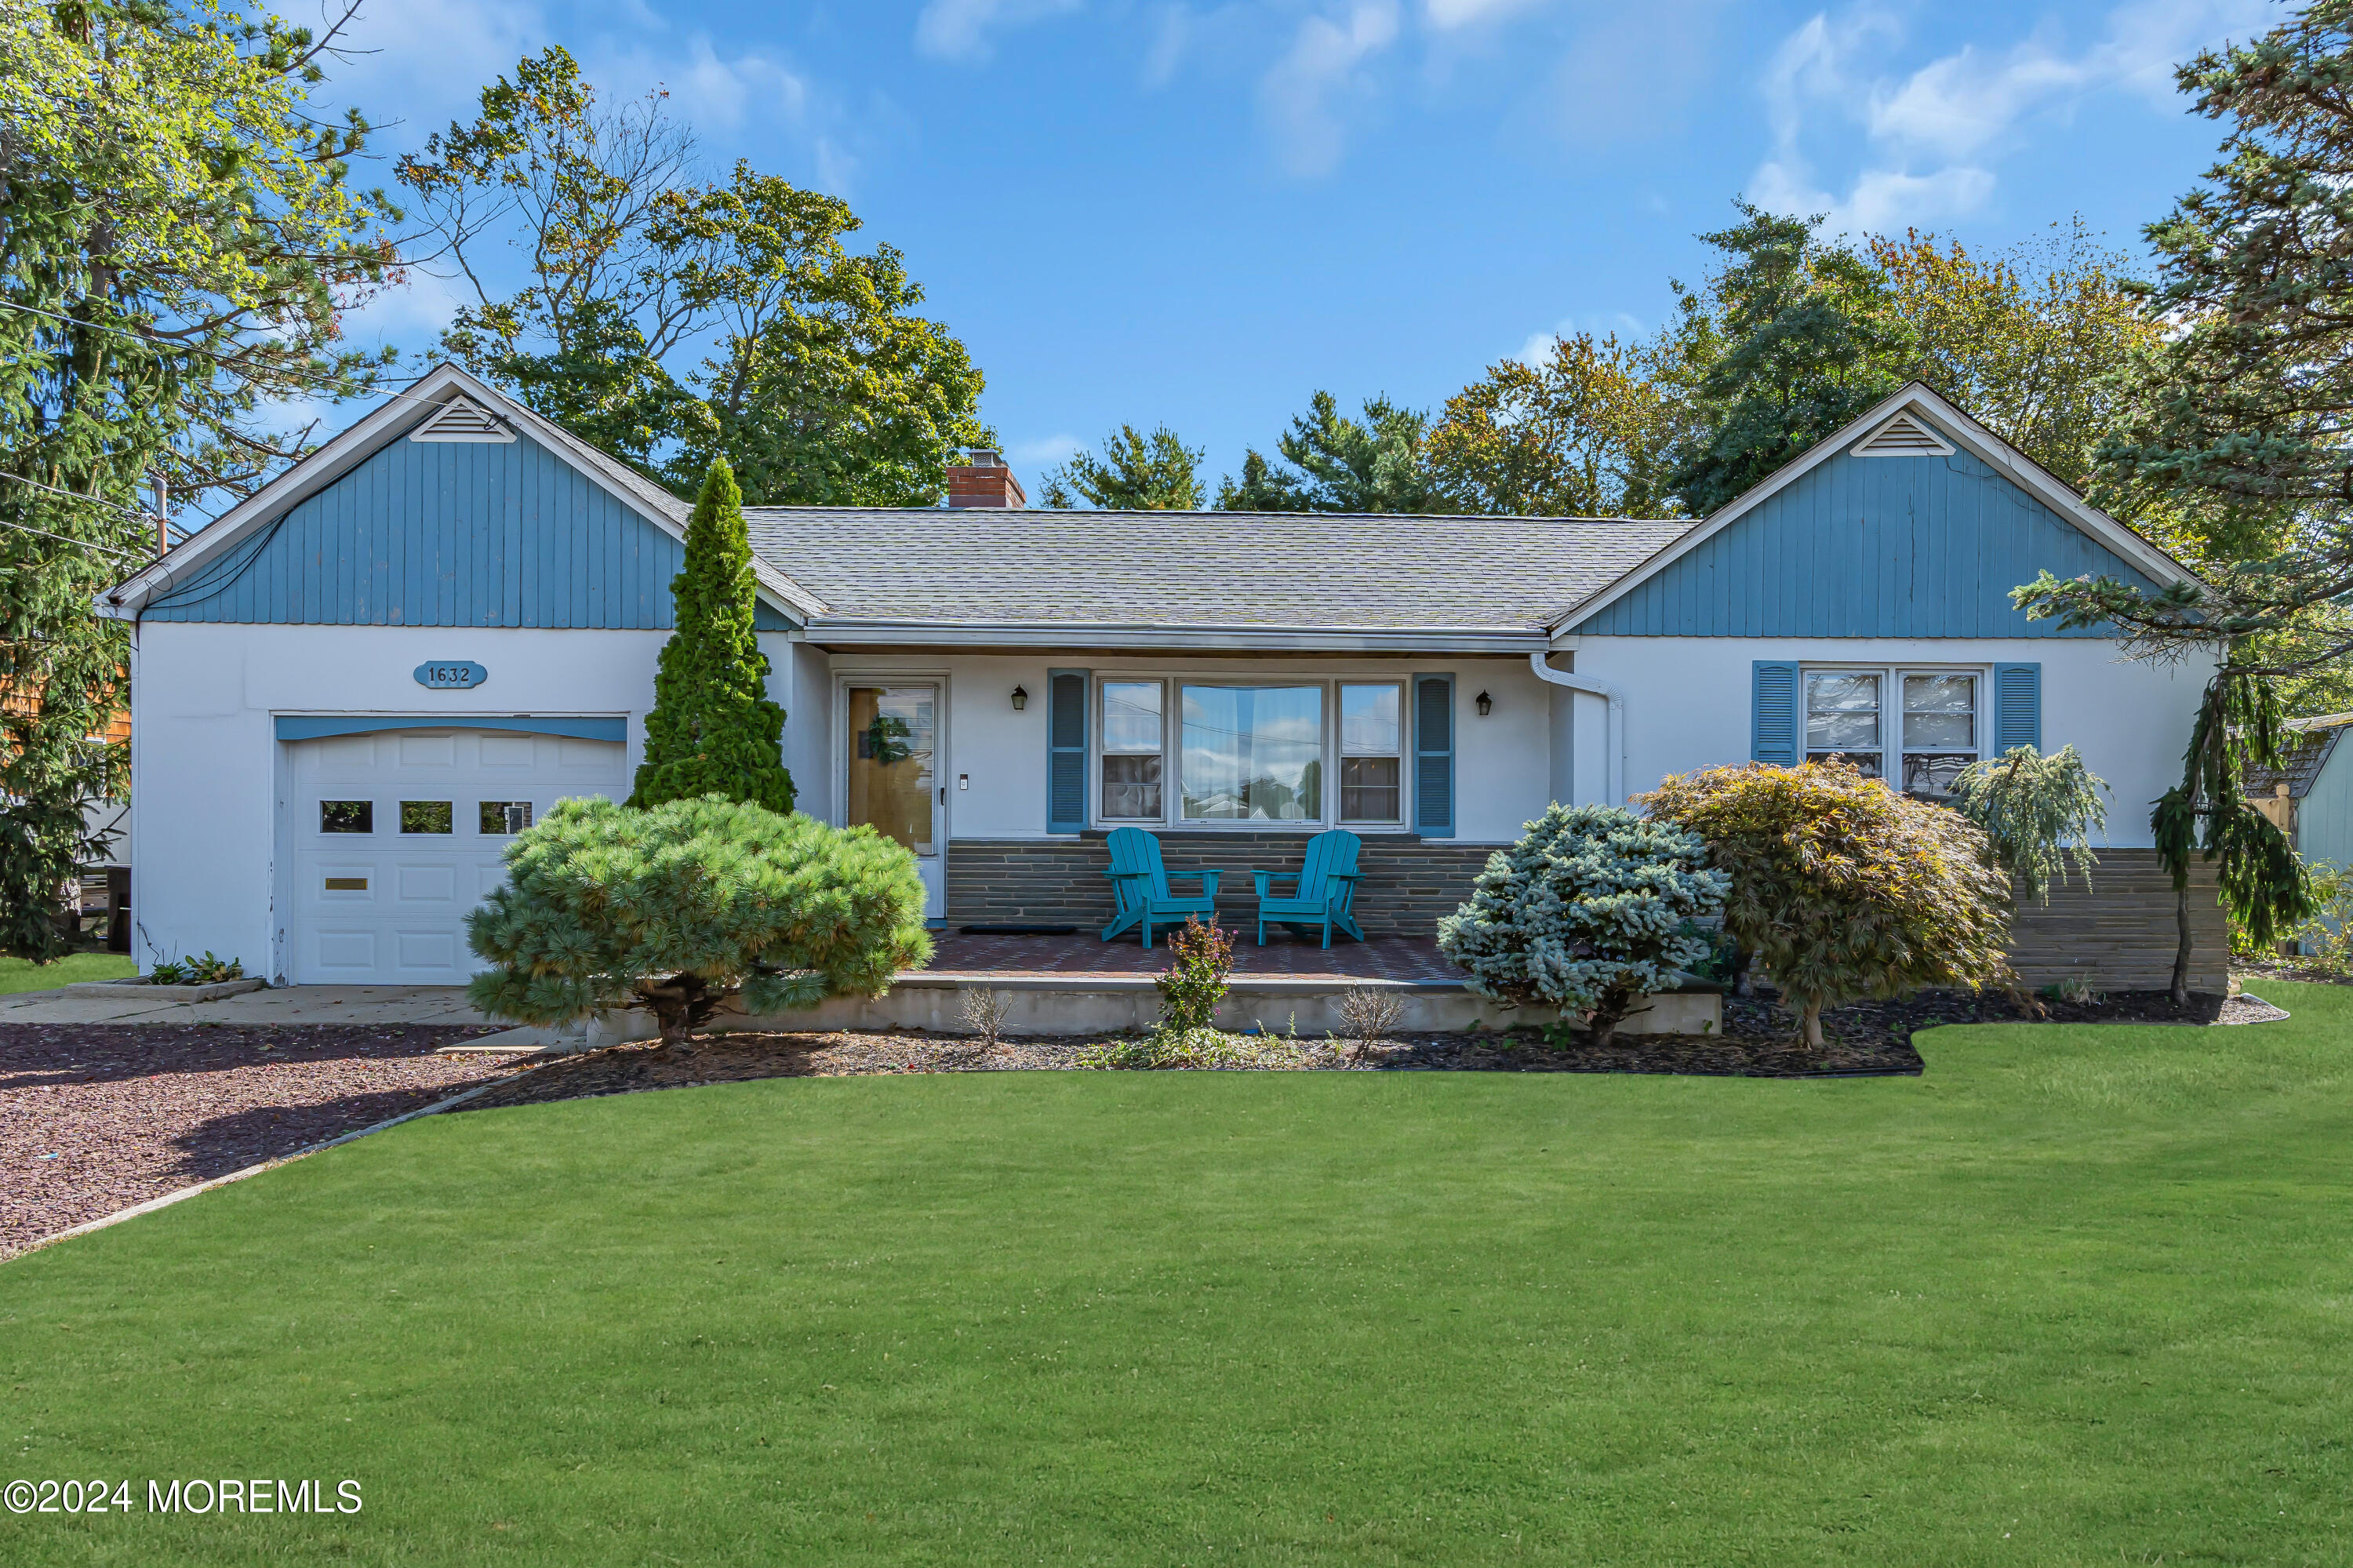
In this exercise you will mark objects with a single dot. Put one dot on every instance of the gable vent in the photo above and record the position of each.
(1903, 436)
(461, 419)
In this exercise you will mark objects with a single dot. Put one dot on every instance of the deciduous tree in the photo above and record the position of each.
(178, 237)
(670, 321)
(1581, 434)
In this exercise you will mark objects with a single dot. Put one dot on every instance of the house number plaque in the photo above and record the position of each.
(451, 675)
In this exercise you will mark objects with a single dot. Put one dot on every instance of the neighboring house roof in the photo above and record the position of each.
(1317, 571)
(1913, 398)
(2307, 754)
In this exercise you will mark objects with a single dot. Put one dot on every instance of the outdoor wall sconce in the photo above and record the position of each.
(1486, 705)
(1020, 699)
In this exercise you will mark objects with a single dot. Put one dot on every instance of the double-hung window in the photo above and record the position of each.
(1209, 752)
(1372, 753)
(1133, 739)
(1915, 728)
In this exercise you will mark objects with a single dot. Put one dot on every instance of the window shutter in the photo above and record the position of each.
(2017, 707)
(1433, 756)
(1772, 713)
(1066, 751)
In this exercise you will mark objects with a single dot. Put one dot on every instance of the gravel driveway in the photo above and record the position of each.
(95, 1117)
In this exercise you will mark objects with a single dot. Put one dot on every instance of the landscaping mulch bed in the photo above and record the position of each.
(1863, 1040)
(95, 1117)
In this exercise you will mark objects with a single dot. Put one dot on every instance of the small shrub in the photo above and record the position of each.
(984, 1015)
(1369, 1012)
(1592, 910)
(2326, 941)
(2039, 813)
(1197, 1050)
(675, 909)
(1844, 888)
(1200, 957)
(2073, 989)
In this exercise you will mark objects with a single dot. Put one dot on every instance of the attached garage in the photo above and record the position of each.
(391, 836)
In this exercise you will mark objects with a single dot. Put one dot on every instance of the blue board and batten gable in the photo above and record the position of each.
(1870, 546)
(442, 533)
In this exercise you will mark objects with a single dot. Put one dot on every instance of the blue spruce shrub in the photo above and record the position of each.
(1590, 912)
(673, 909)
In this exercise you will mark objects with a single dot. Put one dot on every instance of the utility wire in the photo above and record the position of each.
(86, 544)
(139, 511)
(184, 348)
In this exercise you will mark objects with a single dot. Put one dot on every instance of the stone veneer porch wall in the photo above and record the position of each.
(2118, 935)
(1406, 886)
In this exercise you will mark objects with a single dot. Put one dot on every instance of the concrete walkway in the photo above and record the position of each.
(362, 1004)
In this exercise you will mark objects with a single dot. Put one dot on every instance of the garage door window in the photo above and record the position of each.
(347, 816)
(427, 817)
(505, 816)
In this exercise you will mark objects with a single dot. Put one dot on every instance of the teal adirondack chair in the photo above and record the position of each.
(1142, 884)
(1325, 891)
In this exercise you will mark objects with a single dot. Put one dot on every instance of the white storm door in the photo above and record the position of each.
(398, 835)
(893, 785)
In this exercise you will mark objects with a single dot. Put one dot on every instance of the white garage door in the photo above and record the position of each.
(397, 834)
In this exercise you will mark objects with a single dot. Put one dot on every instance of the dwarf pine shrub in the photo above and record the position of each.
(672, 909)
(1592, 910)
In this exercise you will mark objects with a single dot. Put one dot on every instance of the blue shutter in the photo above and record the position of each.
(1066, 750)
(1433, 756)
(1772, 713)
(2017, 707)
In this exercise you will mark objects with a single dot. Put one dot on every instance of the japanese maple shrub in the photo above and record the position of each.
(1842, 887)
(1591, 912)
(606, 908)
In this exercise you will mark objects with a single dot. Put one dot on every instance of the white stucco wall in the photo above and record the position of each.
(1687, 701)
(207, 768)
(1502, 773)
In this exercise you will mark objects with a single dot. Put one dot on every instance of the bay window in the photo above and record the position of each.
(1927, 719)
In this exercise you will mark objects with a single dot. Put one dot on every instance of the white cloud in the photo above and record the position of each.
(959, 29)
(710, 92)
(1046, 452)
(1298, 93)
(1170, 41)
(1445, 15)
(1931, 135)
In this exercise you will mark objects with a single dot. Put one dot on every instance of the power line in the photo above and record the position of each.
(184, 348)
(62, 538)
(139, 511)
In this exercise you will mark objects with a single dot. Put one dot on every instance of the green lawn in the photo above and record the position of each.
(23, 974)
(2080, 1295)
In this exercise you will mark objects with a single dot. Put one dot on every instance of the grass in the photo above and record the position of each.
(2079, 1295)
(23, 974)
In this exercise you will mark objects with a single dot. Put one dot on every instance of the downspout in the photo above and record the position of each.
(1614, 742)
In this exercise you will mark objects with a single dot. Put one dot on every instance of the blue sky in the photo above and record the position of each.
(1152, 210)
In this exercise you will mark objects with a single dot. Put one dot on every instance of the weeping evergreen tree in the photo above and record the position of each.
(713, 729)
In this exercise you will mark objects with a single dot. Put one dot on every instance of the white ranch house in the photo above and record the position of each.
(348, 692)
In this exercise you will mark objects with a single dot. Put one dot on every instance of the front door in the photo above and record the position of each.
(893, 786)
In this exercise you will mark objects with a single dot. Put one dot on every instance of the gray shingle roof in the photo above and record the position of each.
(2307, 754)
(1200, 568)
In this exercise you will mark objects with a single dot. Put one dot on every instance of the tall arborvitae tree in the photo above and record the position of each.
(713, 729)
(2243, 408)
(178, 239)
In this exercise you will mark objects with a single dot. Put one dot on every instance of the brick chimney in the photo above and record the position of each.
(983, 479)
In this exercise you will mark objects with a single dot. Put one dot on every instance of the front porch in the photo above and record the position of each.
(1075, 984)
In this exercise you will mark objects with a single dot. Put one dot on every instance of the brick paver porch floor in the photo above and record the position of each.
(1412, 959)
